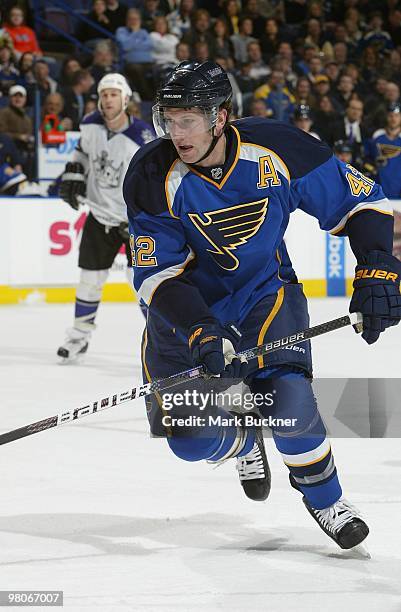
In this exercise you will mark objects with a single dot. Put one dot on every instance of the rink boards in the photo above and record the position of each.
(39, 240)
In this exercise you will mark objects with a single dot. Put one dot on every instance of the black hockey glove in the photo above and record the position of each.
(377, 294)
(124, 231)
(72, 184)
(214, 346)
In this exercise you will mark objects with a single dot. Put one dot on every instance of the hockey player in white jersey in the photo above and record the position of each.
(109, 139)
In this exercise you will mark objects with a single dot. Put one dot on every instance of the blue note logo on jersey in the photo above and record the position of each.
(388, 151)
(228, 228)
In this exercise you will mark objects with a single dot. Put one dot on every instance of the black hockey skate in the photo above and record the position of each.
(253, 469)
(341, 521)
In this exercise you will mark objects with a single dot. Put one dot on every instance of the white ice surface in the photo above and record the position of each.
(98, 509)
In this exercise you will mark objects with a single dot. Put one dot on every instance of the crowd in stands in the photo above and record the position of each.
(333, 67)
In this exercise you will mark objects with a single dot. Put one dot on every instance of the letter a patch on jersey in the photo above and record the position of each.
(228, 228)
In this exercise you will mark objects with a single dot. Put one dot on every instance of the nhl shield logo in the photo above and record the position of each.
(216, 173)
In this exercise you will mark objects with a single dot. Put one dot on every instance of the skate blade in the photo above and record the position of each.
(359, 551)
(76, 360)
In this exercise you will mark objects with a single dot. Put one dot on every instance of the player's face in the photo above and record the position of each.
(189, 131)
(394, 120)
(111, 103)
(345, 157)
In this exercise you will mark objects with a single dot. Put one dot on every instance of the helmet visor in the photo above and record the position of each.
(176, 122)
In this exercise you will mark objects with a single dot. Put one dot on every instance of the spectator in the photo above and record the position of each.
(270, 40)
(183, 52)
(343, 151)
(180, 19)
(54, 105)
(116, 13)
(340, 54)
(392, 69)
(376, 36)
(223, 46)
(25, 68)
(163, 43)
(259, 70)
(258, 108)
(384, 150)
(241, 40)
(15, 123)
(351, 129)
(360, 87)
(315, 68)
(5, 38)
(376, 96)
(11, 175)
(354, 34)
(246, 84)
(237, 98)
(325, 116)
(137, 46)
(285, 50)
(200, 31)
(231, 15)
(378, 115)
(341, 36)
(201, 52)
(151, 10)
(9, 74)
(90, 106)
(43, 82)
(302, 119)
(321, 86)
(282, 63)
(68, 67)
(307, 52)
(370, 63)
(91, 34)
(295, 11)
(394, 24)
(23, 38)
(344, 92)
(76, 96)
(103, 61)
(252, 10)
(303, 93)
(333, 72)
(277, 97)
(316, 37)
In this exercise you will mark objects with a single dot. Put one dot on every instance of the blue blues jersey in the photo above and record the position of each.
(386, 153)
(214, 246)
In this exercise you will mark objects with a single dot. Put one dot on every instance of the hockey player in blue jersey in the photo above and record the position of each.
(384, 150)
(109, 139)
(208, 205)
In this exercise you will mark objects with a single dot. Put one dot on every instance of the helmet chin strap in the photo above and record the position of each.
(120, 114)
(214, 142)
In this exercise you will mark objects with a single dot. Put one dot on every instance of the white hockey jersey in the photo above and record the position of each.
(105, 156)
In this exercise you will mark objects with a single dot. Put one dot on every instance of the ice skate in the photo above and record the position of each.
(342, 522)
(75, 345)
(253, 470)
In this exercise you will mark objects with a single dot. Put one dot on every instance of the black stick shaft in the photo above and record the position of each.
(171, 381)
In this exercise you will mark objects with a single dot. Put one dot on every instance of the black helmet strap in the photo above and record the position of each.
(211, 147)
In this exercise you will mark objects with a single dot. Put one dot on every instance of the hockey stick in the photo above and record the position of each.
(167, 383)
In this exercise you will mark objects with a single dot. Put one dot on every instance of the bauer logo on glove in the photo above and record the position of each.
(377, 294)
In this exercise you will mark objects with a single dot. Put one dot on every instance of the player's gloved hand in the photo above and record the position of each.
(124, 231)
(214, 346)
(377, 293)
(72, 184)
